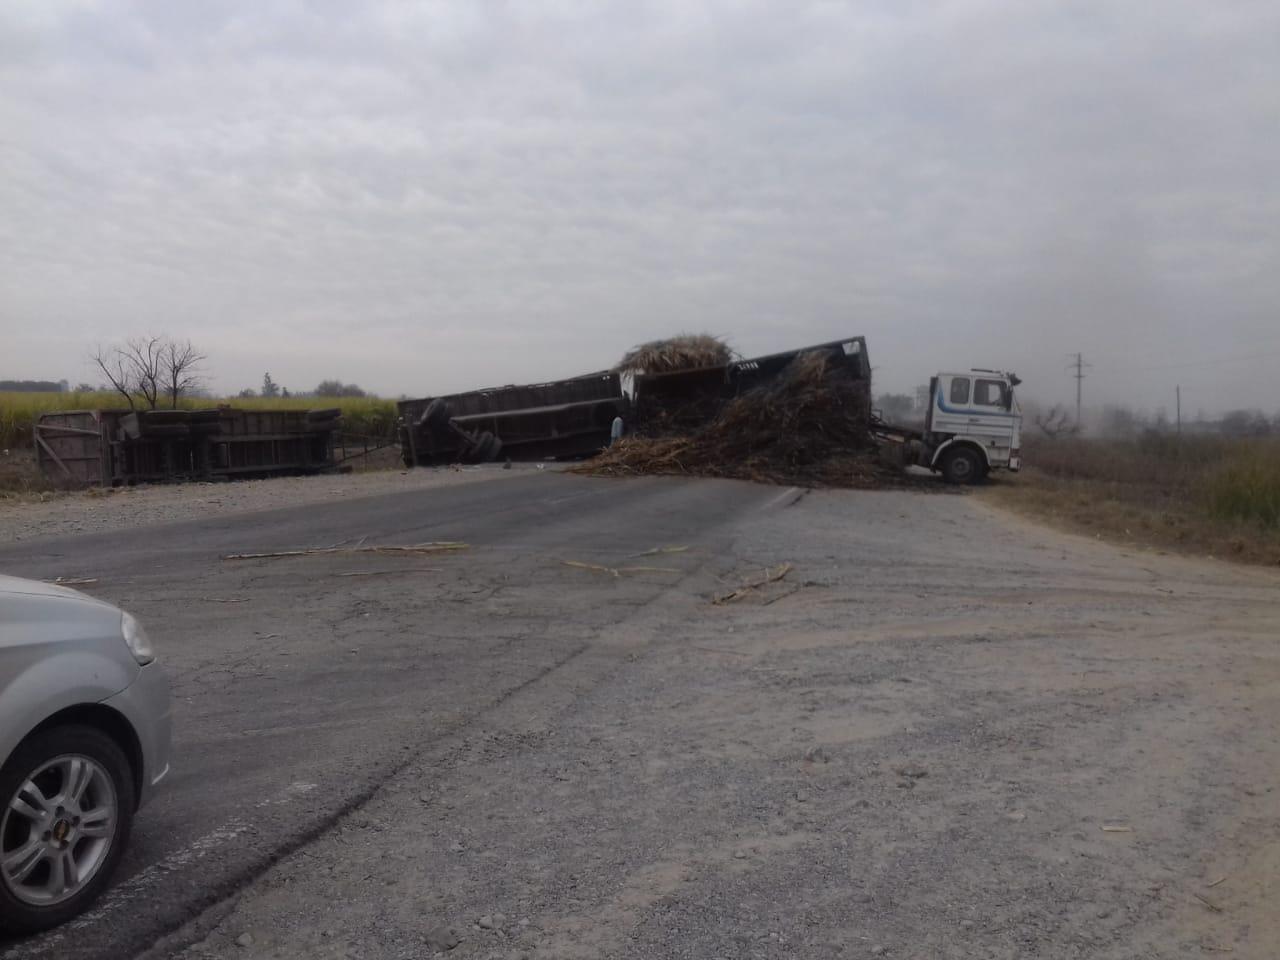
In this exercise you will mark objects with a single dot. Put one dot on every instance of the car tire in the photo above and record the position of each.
(55, 761)
(962, 465)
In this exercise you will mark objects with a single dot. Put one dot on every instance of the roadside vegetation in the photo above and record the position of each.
(158, 371)
(370, 416)
(1208, 495)
(20, 478)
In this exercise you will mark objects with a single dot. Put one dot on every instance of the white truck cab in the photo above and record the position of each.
(973, 425)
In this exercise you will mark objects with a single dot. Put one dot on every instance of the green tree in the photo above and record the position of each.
(336, 388)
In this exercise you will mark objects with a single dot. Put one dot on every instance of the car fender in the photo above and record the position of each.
(58, 649)
(51, 685)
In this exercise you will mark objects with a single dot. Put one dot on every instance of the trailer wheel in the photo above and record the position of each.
(962, 465)
(437, 415)
(484, 447)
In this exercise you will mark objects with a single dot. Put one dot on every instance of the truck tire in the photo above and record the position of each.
(437, 415)
(962, 465)
(482, 448)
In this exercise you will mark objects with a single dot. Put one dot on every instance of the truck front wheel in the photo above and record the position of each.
(962, 465)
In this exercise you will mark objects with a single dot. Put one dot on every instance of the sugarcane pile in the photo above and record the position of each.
(807, 425)
(685, 352)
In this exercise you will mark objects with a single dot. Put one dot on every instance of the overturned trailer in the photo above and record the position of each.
(569, 419)
(120, 447)
(540, 421)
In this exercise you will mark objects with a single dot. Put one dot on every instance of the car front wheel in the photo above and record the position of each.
(68, 796)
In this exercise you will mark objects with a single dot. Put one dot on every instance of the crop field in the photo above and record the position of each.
(1210, 495)
(370, 416)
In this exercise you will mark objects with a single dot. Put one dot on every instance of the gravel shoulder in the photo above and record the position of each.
(946, 733)
(100, 511)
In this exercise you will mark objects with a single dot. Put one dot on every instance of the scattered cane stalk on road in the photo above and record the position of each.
(443, 546)
(770, 576)
(390, 573)
(654, 551)
(617, 571)
(1208, 903)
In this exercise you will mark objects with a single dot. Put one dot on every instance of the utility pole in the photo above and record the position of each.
(1178, 394)
(1079, 366)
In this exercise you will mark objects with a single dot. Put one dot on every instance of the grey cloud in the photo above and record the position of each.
(429, 197)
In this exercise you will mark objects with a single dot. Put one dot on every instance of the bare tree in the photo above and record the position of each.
(144, 355)
(1056, 423)
(181, 368)
(137, 368)
(114, 367)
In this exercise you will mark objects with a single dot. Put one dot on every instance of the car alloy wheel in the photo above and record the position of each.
(57, 830)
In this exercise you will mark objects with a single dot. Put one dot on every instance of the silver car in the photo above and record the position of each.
(84, 740)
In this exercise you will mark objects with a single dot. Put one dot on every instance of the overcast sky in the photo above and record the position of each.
(425, 197)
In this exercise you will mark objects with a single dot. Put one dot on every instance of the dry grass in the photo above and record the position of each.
(19, 411)
(20, 478)
(1211, 496)
(685, 352)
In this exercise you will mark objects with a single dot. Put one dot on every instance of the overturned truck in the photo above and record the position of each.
(121, 447)
(572, 419)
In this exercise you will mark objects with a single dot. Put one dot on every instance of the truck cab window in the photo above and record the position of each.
(989, 393)
(960, 390)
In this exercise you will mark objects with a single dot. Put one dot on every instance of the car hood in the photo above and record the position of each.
(34, 588)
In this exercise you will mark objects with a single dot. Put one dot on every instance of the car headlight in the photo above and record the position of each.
(137, 639)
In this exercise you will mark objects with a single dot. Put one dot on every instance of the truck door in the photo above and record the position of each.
(951, 408)
(978, 407)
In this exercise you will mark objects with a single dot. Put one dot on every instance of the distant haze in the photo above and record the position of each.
(434, 196)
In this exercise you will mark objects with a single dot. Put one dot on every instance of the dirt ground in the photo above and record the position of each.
(946, 733)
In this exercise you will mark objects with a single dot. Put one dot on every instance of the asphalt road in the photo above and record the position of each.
(302, 683)
(945, 732)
